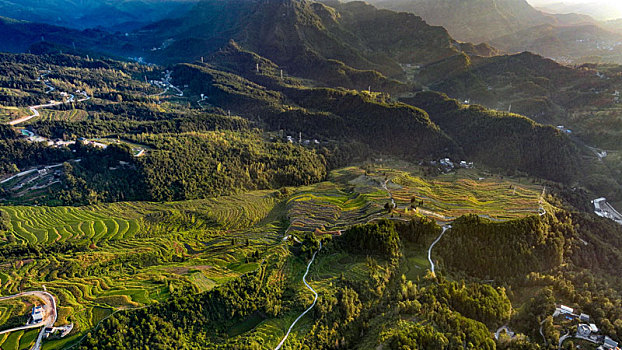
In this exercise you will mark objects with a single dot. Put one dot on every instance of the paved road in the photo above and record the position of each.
(18, 175)
(35, 112)
(304, 279)
(22, 328)
(445, 228)
(51, 315)
(546, 343)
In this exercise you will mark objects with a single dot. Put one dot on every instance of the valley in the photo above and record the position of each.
(297, 174)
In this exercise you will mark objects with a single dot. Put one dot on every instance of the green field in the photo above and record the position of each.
(18, 340)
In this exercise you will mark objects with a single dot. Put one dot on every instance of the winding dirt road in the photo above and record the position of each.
(304, 279)
(445, 228)
(34, 109)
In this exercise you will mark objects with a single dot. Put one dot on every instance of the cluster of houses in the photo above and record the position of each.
(32, 137)
(36, 316)
(586, 330)
(447, 165)
(290, 139)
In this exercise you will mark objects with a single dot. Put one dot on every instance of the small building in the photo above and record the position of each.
(447, 162)
(584, 318)
(466, 165)
(593, 328)
(583, 330)
(37, 314)
(566, 310)
(609, 343)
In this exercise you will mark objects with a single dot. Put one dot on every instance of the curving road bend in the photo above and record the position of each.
(445, 228)
(49, 304)
(34, 109)
(304, 279)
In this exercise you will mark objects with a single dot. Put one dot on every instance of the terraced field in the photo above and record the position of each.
(120, 221)
(354, 195)
(499, 200)
(10, 113)
(13, 312)
(70, 115)
(127, 255)
(18, 340)
(329, 207)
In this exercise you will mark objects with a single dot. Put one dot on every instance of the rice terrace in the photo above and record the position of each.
(109, 257)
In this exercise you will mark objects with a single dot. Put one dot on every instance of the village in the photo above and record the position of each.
(585, 328)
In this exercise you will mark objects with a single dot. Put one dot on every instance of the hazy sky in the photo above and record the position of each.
(601, 9)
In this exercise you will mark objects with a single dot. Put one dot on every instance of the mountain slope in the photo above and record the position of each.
(300, 34)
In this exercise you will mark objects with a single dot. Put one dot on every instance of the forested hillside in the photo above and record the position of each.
(503, 140)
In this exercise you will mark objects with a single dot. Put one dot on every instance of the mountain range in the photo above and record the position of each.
(515, 26)
(111, 15)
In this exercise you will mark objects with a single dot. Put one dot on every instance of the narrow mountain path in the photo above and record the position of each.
(445, 228)
(304, 279)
